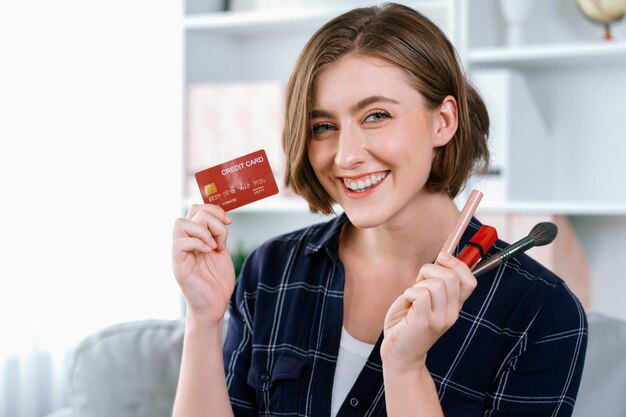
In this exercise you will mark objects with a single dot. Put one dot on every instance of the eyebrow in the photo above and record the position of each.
(358, 106)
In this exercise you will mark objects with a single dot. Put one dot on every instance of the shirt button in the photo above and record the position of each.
(354, 402)
(265, 377)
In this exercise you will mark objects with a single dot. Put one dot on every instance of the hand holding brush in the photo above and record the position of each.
(542, 234)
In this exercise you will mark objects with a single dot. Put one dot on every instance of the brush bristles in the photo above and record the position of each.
(543, 233)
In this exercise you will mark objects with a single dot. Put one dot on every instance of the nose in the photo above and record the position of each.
(351, 150)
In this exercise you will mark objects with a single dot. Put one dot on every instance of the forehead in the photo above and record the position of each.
(353, 76)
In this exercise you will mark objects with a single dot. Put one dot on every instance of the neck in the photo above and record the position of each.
(411, 239)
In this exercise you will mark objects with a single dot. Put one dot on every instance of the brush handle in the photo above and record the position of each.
(487, 265)
(516, 248)
(504, 255)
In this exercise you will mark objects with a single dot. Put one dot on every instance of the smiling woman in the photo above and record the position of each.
(366, 314)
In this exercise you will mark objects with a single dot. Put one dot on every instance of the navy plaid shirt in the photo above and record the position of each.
(517, 348)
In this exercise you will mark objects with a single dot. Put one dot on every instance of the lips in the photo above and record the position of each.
(364, 183)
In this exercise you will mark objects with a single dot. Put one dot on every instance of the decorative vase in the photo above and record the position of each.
(604, 12)
(515, 13)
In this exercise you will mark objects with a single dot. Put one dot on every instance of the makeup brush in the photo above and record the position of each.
(540, 235)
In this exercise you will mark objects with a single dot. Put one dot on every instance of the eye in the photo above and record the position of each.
(321, 128)
(377, 117)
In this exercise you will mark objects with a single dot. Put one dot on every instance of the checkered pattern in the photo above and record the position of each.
(517, 349)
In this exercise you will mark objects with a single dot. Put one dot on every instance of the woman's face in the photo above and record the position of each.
(373, 139)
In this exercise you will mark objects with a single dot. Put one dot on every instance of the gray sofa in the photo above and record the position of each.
(131, 369)
(128, 369)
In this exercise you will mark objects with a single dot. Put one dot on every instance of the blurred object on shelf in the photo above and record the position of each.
(204, 6)
(564, 256)
(604, 12)
(241, 5)
(227, 120)
(324, 3)
(515, 13)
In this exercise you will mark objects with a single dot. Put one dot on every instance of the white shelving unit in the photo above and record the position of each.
(264, 44)
(576, 82)
(580, 54)
(568, 161)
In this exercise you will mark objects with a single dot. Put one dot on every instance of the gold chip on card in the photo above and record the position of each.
(210, 189)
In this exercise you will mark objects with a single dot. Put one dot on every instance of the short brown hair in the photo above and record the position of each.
(409, 40)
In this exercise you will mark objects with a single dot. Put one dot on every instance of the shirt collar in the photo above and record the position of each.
(327, 237)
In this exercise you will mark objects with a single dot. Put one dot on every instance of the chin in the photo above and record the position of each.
(364, 217)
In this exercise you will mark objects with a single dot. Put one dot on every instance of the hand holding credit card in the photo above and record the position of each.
(237, 182)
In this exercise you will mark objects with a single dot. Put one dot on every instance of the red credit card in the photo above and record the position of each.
(237, 182)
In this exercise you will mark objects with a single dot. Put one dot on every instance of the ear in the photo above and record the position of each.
(445, 121)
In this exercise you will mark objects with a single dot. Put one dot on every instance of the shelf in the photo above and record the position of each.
(251, 22)
(287, 19)
(558, 207)
(580, 54)
(278, 204)
(274, 204)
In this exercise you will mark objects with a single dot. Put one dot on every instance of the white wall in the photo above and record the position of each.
(90, 128)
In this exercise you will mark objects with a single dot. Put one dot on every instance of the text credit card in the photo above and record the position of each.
(237, 182)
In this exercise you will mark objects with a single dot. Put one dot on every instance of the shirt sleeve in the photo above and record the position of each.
(541, 378)
(238, 345)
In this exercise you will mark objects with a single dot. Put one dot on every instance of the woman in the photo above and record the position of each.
(363, 316)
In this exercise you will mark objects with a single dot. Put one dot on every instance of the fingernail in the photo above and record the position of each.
(444, 256)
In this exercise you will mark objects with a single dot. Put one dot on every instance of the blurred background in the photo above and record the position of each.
(107, 109)
(90, 145)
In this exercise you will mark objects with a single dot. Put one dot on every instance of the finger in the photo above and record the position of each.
(397, 311)
(187, 228)
(212, 209)
(421, 304)
(189, 244)
(467, 280)
(215, 226)
(437, 293)
(452, 281)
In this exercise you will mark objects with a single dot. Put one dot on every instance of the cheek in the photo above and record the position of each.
(407, 150)
(319, 156)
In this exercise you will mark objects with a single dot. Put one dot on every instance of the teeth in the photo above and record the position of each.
(365, 183)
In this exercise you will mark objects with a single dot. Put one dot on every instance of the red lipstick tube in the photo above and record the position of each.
(478, 245)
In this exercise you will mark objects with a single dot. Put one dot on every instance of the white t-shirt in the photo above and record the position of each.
(350, 361)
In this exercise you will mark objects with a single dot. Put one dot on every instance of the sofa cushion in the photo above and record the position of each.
(128, 369)
(603, 384)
